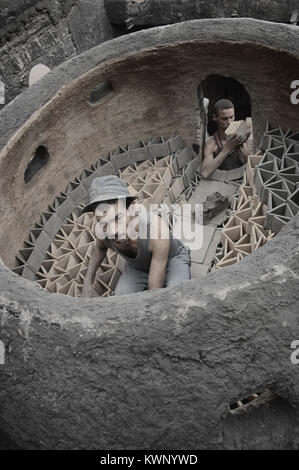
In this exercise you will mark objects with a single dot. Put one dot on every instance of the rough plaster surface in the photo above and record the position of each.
(47, 32)
(158, 12)
(158, 369)
(76, 133)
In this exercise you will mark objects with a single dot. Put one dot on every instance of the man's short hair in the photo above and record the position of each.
(222, 104)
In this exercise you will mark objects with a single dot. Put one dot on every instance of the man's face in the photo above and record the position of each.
(224, 118)
(111, 220)
(116, 221)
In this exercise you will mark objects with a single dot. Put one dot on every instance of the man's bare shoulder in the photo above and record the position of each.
(210, 147)
(210, 142)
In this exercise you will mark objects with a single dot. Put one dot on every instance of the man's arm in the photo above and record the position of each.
(96, 259)
(160, 249)
(244, 152)
(210, 164)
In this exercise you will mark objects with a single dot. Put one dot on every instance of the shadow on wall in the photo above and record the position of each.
(216, 87)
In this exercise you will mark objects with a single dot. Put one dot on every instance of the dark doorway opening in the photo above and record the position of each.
(216, 87)
(39, 160)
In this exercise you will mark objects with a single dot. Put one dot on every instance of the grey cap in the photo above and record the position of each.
(105, 188)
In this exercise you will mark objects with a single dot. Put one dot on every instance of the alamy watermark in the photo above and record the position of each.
(2, 353)
(295, 94)
(2, 92)
(115, 221)
(295, 354)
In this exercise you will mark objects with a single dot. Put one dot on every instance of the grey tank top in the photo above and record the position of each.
(144, 255)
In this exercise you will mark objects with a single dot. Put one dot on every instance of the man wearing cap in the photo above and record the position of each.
(153, 258)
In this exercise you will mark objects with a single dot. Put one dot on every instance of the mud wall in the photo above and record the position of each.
(158, 12)
(47, 32)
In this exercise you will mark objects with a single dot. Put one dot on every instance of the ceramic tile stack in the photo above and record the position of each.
(277, 177)
(266, 200)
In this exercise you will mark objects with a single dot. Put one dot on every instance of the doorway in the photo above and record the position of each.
(214, 88)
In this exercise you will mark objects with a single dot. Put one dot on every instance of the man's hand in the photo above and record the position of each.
(210, 164)
(98, 254)
(233, 142)
(248, 134)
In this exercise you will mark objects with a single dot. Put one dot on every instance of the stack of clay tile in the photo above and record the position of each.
(68, 257)
(277, 177)
(245, 231)
(239, 128)
(151, 180)
(267, 199)
(161, 181)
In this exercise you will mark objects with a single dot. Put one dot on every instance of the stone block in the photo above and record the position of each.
(214, 204)
(252, 162)
(277, 216)
(138, 151)
(120, 158)
(77, 192)
(189, 171)
(293, 201)
(42, 239)
(64, 206)
(26, 272)
(157, 147)
(104, 170)
(33, 257)
(51, 223)
(174, 143)
(177, 187)
(181, 159)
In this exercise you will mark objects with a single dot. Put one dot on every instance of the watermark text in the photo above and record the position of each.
(295, 94)
(295, 354)
(183, 222)
(2, 353)
(2, 92)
